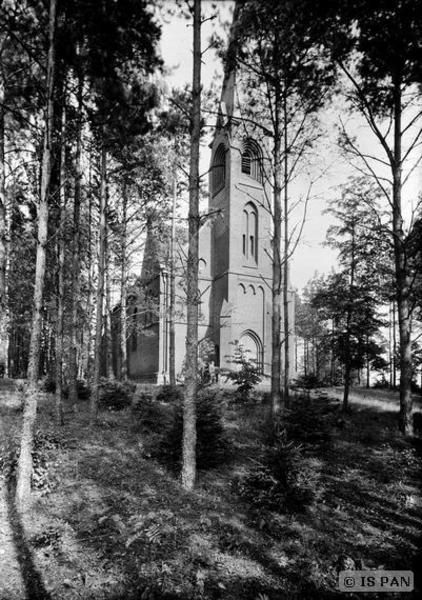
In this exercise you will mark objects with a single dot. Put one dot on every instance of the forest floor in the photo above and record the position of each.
(109, 522)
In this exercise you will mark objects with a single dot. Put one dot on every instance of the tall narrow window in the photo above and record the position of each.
(218, 171)
(250, 232)
(245, 232)
(252, 160)
(134, 344)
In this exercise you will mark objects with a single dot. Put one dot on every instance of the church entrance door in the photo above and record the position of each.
(252, 347)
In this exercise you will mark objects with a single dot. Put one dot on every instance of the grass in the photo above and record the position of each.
(117, 525)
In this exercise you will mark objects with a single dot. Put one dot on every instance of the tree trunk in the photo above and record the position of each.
(402, 277)
(192, 300)
(91, 291)
(394, 364)
(172, 332)
(61, 279)
(3, 228)
(348, 357)
(123, 291)
(286, 324)
(95, 394)
(75, 290)
(276, 269)
(108, 336)
(23, 487)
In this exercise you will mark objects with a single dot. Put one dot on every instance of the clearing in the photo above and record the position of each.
(110, 522)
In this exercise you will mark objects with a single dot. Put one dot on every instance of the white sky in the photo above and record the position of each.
(311, 255)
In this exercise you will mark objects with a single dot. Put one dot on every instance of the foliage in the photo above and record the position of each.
(47, 384)
(286, 480)
(212, 443)
(152, 414)
(246, 376)
(308, 382)
(314, 333)
(168, 393)
(307, 422)
(41, 459)
(115, 395)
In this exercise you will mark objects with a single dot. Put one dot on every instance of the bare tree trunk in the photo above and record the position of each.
(192, 300)
(402, 276)
(23, 487)
(75, 291)
(276, 268)
(286, 261)
(61, 280)
(95, 394)
(123, 291)
(348, 357)
(90, 310)
(172, 332)
(394, 363)
(3, 227)
(108, 337)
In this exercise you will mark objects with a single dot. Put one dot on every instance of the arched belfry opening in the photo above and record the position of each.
(251, 159)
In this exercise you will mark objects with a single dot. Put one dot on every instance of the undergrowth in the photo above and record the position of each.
(165, 421)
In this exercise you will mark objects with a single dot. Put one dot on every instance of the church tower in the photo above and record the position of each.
(240, 254)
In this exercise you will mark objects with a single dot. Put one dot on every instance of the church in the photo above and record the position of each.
(235, 266)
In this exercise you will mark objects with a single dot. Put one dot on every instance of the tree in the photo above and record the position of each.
(192, 300)
(30, 405)
(317, 355)
(381, 59)
(277, 45)
(351, 296)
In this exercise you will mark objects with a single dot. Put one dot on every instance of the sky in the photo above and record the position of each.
(311, 255)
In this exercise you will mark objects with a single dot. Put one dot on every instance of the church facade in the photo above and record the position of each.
(235, 267)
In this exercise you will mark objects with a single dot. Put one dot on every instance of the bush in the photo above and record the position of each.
(286, 480)
(151, 415)
(169, 393)
(83, 390)
(48, 384)
(115, 395)
(40, 479)
(308, 422)
(308, 382)
(247, 376)
(212, 444)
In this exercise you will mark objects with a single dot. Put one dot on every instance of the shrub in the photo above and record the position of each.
(83, 390)
(247, 375)
(169, 393)
(308, 382)
(286, 480)
(48, 384)
(151, 414)
(212, 444)
(308, 422)
(115, 395)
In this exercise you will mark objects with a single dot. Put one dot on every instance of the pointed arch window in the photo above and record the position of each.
(134, 340)
(218, 171)
(251, 163)
(250, 232)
